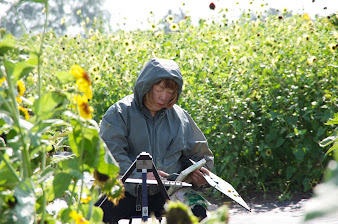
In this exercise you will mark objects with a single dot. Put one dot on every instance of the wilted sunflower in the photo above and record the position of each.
(177, 212)
(173, 27)
(111, 187)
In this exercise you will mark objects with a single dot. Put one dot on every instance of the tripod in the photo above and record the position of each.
(144, 164)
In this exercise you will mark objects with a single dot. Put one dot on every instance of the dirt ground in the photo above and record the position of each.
(265, 209)
(268, 208)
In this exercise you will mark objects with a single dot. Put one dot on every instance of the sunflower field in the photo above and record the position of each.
(261, 90)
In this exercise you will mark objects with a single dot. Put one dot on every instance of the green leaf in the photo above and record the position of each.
(65, 77)
(22, 68)
(289, 172)
(334, 147)
(9, 67)
(97, 215)
(25, 67)
(299, 153)
(45, 125)
(46, 106)
(6, 45)
(280, 142)
(64, 215)
(25, 206)
(333, 121)
(7, 180)
(107, 164)
(85, 143)
(47, 173)
(70, 165)
(61, 183)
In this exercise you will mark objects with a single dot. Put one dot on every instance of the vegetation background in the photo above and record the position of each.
(262, 89)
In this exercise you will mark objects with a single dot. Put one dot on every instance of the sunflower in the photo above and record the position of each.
(335, 34)
(85, 88)
(170, 19)
(268, 152)
(50, 88)
(2, 80)
(306, 16)
(84, 108)
(306, 37)
(332, 47)
(97, 78)
(159, 34)
(311, 60)
(127, 43)
(153, 27)
(63, 20)
(173, 27)
(20, 87)
(78, 218)
(86, 200)
(24, 111)
(83, 80)
(79, 73)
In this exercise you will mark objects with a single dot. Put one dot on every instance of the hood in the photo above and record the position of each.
(155, 70)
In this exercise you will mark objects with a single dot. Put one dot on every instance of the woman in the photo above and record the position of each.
(150, 121)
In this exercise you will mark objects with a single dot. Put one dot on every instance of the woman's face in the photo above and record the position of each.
(159, 97)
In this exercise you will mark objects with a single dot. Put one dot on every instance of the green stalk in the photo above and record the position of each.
(11, 168)
(70, 198)
(27, 171)
(43, 162)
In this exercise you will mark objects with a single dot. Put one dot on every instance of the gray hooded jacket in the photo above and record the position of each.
(171, 137)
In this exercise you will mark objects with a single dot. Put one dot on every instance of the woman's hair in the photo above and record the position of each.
(170, 84)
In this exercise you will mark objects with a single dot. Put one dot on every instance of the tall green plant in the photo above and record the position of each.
(33, 130)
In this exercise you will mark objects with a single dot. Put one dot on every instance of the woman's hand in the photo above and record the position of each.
(150, 175)
(197, 176)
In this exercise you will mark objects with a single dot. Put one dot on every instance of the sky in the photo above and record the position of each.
(136, 13)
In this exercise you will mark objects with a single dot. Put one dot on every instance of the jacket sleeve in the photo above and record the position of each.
(197, 144)
(114, 132)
